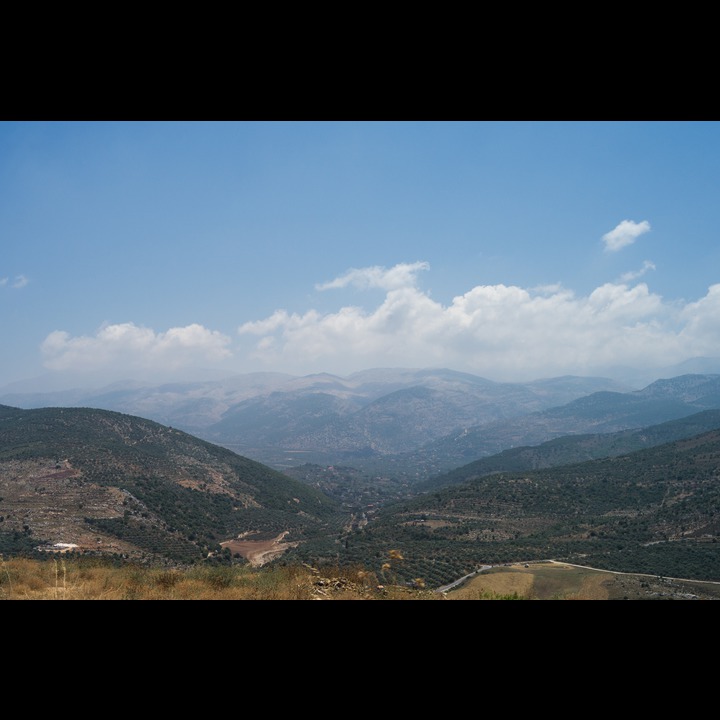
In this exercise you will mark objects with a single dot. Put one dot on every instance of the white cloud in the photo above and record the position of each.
(126, 347)
(3, 281)
(701, 324)
(625, 233)
(635, 274)
(502, 332)
(399, 276)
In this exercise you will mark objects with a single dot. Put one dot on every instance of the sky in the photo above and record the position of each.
(514, 250)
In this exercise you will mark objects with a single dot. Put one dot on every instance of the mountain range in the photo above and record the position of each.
(646, 500)
(284, 420)
(598, 412)
(410, 423)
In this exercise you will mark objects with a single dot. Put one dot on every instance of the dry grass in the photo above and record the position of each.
(72, 578)
(495, 585)
(558, 581)
(538, 581)
(80, 579)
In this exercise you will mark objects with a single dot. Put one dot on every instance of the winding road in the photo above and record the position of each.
(455, 583)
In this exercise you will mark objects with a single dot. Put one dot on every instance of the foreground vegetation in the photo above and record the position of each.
(80, 578)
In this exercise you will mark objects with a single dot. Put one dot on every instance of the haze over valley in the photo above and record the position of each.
(106, 483)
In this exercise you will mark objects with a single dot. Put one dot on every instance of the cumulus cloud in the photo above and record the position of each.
(503, 332)
(635, 274)
(399, 276)
(625, 233)
(128, 347)
(500, 331)
(3, 281)
(701, 324)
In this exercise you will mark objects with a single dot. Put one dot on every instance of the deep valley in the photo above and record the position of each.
(418, 476)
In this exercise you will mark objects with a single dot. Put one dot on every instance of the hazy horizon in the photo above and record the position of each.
(70, 382)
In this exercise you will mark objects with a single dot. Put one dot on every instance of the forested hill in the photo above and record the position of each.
(599, 412)
(109, 482)
(571, 449)
(653, 511)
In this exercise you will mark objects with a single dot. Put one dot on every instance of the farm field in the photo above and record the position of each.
(561, 581)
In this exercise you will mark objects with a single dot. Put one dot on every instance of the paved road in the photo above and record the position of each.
(455, 583)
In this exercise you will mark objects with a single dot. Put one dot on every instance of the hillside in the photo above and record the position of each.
(105, 482)
(571, 449)
(652, 511)
(598, 412)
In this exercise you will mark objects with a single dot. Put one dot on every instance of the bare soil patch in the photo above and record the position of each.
(258, 552)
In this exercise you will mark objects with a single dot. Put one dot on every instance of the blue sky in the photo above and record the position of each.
(514, 250)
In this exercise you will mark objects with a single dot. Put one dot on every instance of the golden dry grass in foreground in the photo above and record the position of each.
(67, 578)
(80, 579)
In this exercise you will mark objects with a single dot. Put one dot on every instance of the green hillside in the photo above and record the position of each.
(109, 482)
(101, 482)
(653, 511)
(577, 448)
(599, 412)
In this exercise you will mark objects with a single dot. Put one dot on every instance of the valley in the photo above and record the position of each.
(623, 480)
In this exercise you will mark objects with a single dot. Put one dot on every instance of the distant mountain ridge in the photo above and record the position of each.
(373, 412)
(573, 449)
(599, 412)
(417, 422)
